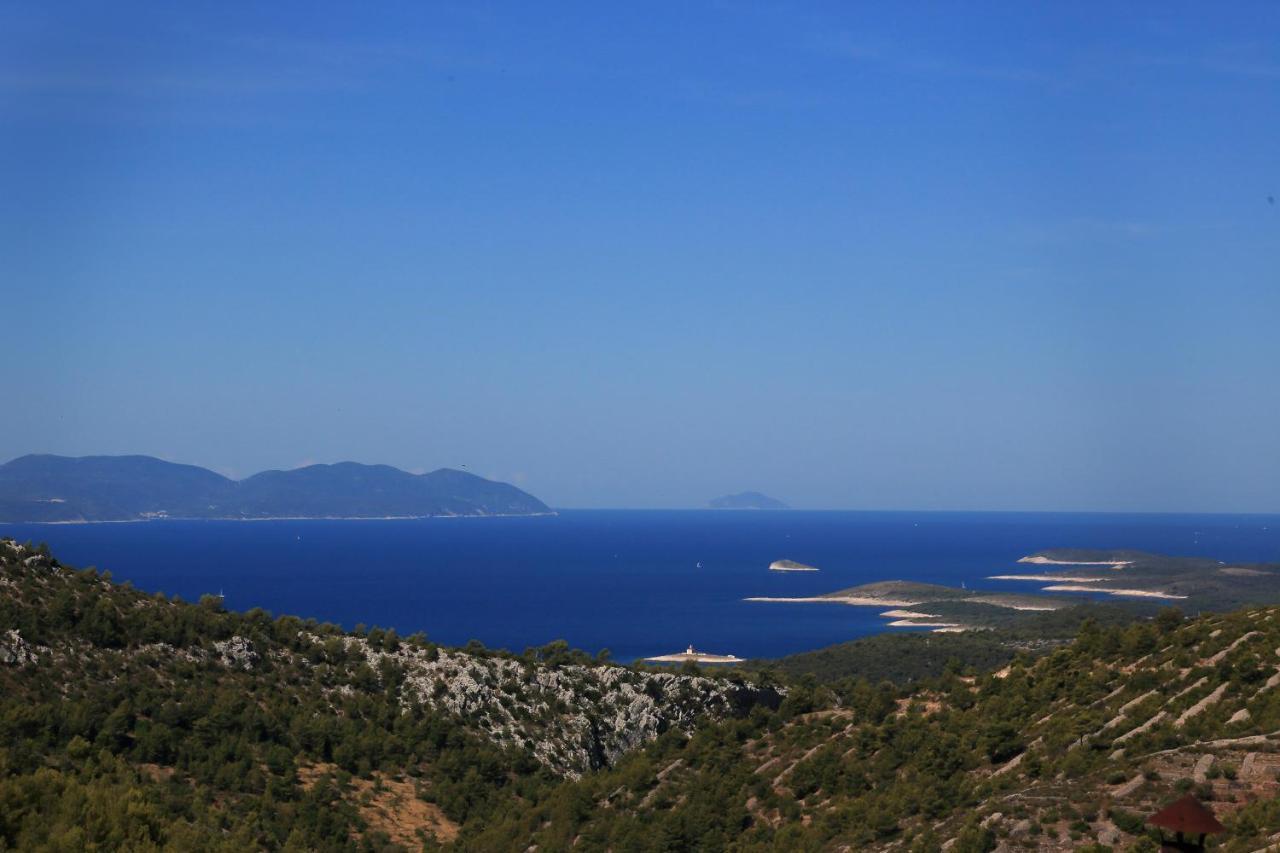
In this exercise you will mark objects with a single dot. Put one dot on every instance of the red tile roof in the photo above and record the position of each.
(1187, 815)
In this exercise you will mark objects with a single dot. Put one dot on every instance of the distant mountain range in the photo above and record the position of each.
(128, 488)
(747, 500)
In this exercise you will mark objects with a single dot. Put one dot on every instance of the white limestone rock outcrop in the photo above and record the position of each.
(15, 651)
(237, 653)
(573, 718)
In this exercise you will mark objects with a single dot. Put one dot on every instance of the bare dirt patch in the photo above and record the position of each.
(390, 806)
(156, 772)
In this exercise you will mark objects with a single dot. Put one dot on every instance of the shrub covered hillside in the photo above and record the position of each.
(131, 721)
(1067, 752)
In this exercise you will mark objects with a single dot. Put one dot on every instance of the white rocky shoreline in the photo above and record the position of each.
(1087, 584)
(901, 617)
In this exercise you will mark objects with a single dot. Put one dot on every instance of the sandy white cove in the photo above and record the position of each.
(1140, 593)
(857, 601)
(863, 601)
(1045, 578)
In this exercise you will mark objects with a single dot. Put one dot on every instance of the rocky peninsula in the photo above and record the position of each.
(790, 566)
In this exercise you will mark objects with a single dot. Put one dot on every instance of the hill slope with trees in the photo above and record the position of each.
(1069, 751)
(134, 721)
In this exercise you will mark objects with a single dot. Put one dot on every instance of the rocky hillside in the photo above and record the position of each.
(134, 721)
(195, 728)
(1067, 752)
(572, 718)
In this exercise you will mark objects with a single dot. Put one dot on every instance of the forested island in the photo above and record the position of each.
(1067, 577)
(746, 500)
(46, 488)
(135, 720)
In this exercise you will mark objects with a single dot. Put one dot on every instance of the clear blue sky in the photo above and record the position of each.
(953, 256)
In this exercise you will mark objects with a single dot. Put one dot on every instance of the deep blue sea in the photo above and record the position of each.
(628, 581)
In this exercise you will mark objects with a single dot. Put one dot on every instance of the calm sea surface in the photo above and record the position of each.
(628, 581)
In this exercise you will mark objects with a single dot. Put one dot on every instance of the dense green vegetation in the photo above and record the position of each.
(133, 721)
(905, 658)
(1131, 580)
(1207, 584)
(129, 719)
(1063, 752)
(132, 732)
